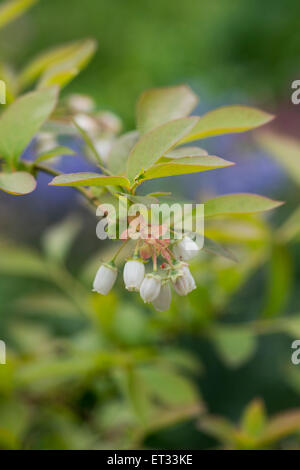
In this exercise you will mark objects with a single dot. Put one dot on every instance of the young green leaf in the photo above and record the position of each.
(185, 165)
(72, 56)
(239, 203)
(160, 105)
(58, 238)
(19, 182)
(119, 153)
(156, 143)
(215, 248)
(12, 9)
(58, 75)
(235, 344)
(226, 120)
(22, 119)
(254, 418)
(56, 152)
(281, 425)
(285, 150)
(181, 152)
(89, 179)
(279, 281)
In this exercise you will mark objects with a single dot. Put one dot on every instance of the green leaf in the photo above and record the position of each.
(146, 200)
(18, 261)
(160, 105)
(89, 179)
(159, 194)
(186, 151)
(279, 281)
(291, 325)
(156, 143)
(17, 183)
(285, 150)
(239, 203)
(90, 144)
(168, 386)
(235, 344)
(72, 56)
(56, 152)
(218, 427)
(280, 426)
(185, 165)
(119, 153)
(12, 9)
(254, 418)
(46, 303)
(290, 229)
(22, 119)
(59, 75)
(215, 248)
(58, 239)
(228, 119)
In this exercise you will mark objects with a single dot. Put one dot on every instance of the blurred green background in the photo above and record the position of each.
(84, 371)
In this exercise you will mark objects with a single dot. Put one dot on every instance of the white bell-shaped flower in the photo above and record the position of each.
(150, 287)
(185, 249)
(105, 278)
(79, 103)
(133, 274)
(103, 147)
(185, 282)
(87, 123)
(163, 300)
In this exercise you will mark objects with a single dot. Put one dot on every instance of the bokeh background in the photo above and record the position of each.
(90, 372)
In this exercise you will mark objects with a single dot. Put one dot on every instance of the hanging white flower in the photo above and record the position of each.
(133, 274)
(103, 147)
(185, 249)
(45, 141)
(105, 278)
(163, 300)
(185, 282)
(150, 287)
(79, 103)
(87, 123)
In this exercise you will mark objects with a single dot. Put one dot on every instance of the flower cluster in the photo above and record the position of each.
(101, 127)
(154, 287)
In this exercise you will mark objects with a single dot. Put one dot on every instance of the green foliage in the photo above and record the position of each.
(239, 204)
(58, 65)
(256, 431)
(158, 106)
(228, 119)
(17, 183)
(12, 9)
(89, 179)
(21, 120)
(156, 143)
(185, 165)
(56, 152)
(86, 371)
(285, 150)
(235, 344)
